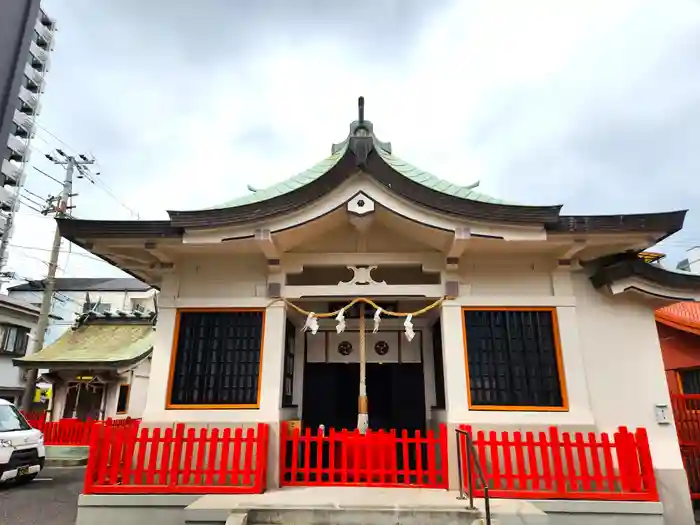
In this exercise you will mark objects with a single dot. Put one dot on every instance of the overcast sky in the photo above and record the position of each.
(590, 104)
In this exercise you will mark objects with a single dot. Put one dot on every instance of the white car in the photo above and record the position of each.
(22, 452)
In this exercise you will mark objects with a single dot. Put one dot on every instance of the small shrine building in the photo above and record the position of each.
(521, 317)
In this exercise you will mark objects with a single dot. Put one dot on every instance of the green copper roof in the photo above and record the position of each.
(435, 183)
(384, 149)
(288, 185)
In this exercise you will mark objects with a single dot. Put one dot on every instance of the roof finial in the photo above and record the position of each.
(361, 109)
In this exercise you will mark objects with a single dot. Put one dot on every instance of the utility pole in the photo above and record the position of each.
(59, 206)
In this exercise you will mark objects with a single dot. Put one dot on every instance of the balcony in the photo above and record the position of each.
(10, 173)
(46, 21)
(24, 124)
(29, 101)
(39, 58)
(3, 224)
(7, 199)
(44, 35)
(34, 79)
(18, 149)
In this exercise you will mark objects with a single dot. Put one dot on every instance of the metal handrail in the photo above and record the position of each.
(471, 452)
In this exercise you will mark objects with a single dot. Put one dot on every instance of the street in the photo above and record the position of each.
(51, 499)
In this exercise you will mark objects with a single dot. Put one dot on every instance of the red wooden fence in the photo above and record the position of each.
(686, 413)
(41, 415)
(74, 432)
(378, 458)
(552, 465)
(179, 461)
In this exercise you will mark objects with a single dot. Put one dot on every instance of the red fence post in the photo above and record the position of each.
(444, 480)
(260, 482)
(94, 456)
(646, 464)
(557, 465)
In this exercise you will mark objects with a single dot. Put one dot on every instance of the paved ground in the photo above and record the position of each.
(51, 499)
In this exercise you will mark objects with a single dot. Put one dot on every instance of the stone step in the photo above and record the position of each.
(356, 506)
(340, 516)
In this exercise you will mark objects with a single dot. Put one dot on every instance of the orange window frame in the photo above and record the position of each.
(169, 405)
(128, 396)
(679, 379)
(558, 356)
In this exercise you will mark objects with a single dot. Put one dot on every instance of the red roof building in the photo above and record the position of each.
(679, 332)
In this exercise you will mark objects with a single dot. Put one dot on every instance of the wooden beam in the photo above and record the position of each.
(577, 247)
(460, 241)
(157, 252)
(267, 245)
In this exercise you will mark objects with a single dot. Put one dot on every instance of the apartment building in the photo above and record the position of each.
(26, 40)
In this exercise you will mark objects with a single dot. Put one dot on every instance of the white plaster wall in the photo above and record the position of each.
(506, 278)
(624, 367)
(10, 375)
(221, 277)
(217, 281)
(603, 340)
(138, 392)
(612, 362)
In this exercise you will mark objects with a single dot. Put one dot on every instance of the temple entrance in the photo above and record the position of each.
(84, 401)
(395, 391)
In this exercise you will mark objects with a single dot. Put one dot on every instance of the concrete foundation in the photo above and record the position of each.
(675, 496)
(66, 456)
(355, 506)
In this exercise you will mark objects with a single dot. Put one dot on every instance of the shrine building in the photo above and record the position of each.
(499, 315)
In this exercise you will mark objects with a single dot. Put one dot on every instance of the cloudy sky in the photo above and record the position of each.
(593, 104)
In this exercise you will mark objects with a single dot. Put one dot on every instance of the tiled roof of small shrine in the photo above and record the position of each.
(98, 341)
(684, 316)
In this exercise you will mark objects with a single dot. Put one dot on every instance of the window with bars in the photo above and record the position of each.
(217, 358)
(288, 376)
(513, 359)
(690, 380)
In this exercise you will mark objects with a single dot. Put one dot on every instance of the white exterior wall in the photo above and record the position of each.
(68, 304)
(601, 338)
(217, 282)
(10, 375)
(138, 378)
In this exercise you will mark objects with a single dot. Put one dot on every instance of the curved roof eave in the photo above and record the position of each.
(365, 154)
(610, 270)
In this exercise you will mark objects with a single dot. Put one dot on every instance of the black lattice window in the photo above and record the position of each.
(288, 376)
(690, 380)
(513, 358)
(217, 360)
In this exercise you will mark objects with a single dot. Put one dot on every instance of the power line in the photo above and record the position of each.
(87, 255)
(47, 175)
(34, 194)
(29, 205)
(97, 182)
(43, 128)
